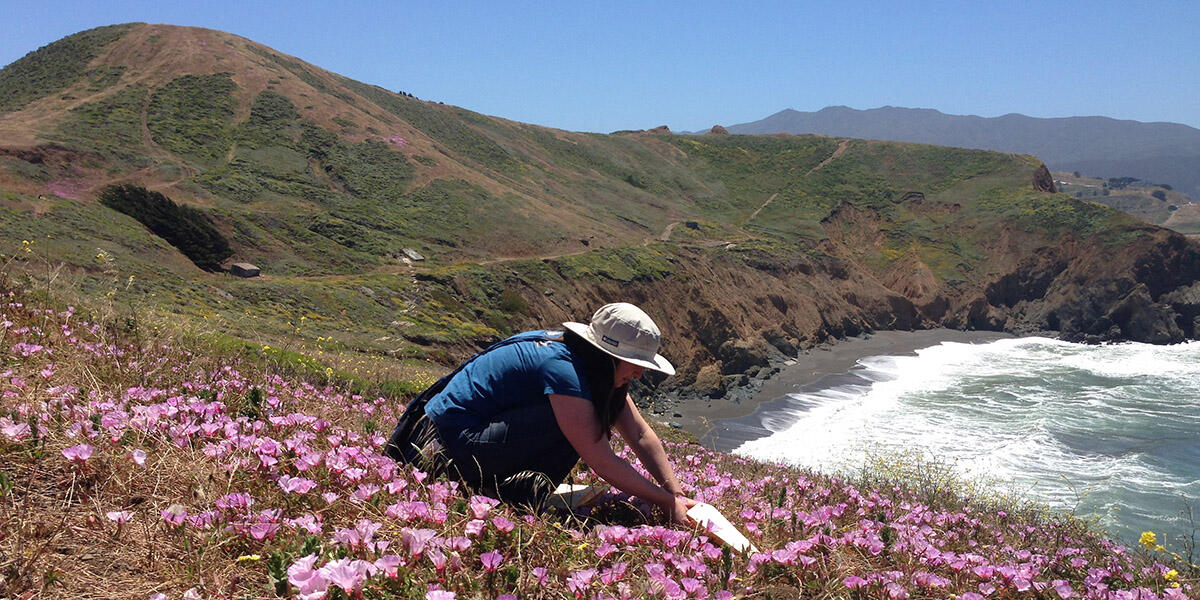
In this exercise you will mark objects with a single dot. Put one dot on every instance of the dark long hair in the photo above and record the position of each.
(599, 368)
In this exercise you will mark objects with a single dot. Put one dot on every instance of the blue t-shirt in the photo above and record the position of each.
(513, 375)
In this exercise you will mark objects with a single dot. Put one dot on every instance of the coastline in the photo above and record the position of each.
(723, 425)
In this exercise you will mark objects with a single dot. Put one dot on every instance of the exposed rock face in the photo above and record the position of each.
(1117, 296)
(718, 130)
(1043, 181)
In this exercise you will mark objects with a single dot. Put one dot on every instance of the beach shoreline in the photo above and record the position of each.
(724, 425)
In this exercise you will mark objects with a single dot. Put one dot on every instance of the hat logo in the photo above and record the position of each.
(610, 341)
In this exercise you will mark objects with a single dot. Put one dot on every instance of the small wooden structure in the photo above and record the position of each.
(244, 270)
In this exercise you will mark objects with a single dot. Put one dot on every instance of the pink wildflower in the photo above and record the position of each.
(174, 514)
(16, 431)
(491, 560)
(439, 595)
(345, 574)
(579, 581)
(474, 527)
(480, 505)
(120, 517)
(854, 582)
(437, 557)
(503, 524)
(389, 564)
(139, 457)
(263, 531)
(1063, 588)
(307, 522)
(235, 501)
(296, 485)
(309, 582)
(78, 454)
(415, 540)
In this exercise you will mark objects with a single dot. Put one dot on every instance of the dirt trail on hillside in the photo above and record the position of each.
(500, 259)
(764, 205)
(836, 153)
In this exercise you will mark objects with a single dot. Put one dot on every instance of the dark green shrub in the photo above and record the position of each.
(184, 227)
(104, 77)
(368, 170)
(190, 115)
(110, 128)
(272, 117)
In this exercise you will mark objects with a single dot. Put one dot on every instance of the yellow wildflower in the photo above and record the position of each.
(1148, 539)
(246, 557)
(1171, 575)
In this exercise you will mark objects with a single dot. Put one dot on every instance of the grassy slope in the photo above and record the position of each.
(321, 181)
(191, 448)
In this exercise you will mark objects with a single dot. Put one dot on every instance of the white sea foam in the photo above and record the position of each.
(1088, 428)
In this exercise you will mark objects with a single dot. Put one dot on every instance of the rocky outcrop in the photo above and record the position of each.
(718, 130)
(1145, 292)
(1043, 181)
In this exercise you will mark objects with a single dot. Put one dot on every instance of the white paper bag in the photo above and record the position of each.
(710, 519)
(573, 496)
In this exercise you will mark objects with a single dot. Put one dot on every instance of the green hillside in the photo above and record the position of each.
(324, 182)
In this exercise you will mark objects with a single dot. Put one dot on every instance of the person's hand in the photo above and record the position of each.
(677, 511)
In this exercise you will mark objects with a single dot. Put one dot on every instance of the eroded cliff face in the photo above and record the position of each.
(726, 317)
(1145, 292)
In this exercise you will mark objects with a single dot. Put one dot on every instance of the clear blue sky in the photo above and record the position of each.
(602, 66)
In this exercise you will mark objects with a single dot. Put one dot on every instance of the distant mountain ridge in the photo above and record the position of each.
(1098, 146)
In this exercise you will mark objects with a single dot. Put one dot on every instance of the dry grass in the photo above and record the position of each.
(224, 425)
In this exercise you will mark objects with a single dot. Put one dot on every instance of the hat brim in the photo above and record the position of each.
(659, 363)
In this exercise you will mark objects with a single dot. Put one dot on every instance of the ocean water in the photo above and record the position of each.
(1110, 432)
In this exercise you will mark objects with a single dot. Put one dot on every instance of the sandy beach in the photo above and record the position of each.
(723, 425)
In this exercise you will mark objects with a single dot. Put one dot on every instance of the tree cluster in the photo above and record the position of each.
(184, 227)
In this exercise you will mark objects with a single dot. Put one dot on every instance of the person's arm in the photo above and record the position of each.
(646, 445)
(577, 419)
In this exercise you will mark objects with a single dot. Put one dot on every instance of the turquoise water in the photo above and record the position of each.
(1110, 432)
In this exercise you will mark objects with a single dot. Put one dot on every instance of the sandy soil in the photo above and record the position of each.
(723, 424)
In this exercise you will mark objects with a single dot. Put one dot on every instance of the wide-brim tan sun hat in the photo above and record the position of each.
(624, 331)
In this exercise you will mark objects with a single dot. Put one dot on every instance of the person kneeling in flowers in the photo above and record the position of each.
(515, 419)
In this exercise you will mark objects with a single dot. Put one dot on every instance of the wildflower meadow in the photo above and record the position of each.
(135, 465)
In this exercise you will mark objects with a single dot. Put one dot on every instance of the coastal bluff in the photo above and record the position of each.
(745, 248)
